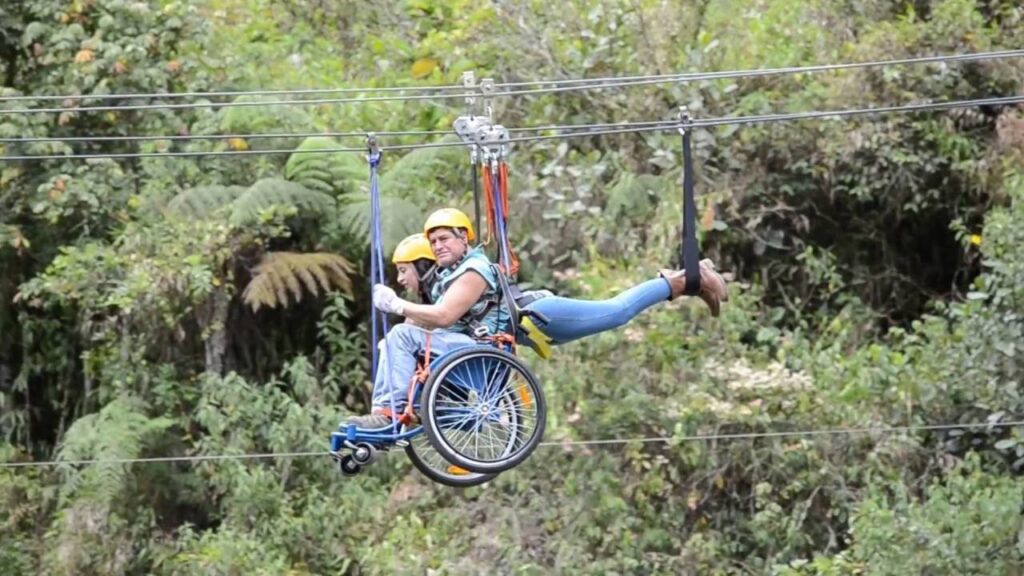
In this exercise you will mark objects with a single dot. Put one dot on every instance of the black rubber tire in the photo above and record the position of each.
(443, 476)
(348, 466)
(437, 440)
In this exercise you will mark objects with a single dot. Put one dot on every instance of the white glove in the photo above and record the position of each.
(385, 300)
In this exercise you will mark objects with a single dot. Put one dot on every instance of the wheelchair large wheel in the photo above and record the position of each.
(483, 410)
(432, 465)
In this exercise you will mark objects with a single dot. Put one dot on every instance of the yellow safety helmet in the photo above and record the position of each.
(412, 248)
(450, 218)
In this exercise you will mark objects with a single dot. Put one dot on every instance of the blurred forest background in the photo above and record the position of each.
(154, 306)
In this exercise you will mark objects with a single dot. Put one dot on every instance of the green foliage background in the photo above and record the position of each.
(217, 305)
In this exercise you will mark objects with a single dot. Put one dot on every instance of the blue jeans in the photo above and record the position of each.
(397, 362)
(571, 319)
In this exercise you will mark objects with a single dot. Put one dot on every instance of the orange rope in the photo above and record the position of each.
(503, 191)
(492, 226)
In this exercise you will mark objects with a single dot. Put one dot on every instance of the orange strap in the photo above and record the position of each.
(492, 227)
(504, 338)
(421, 375)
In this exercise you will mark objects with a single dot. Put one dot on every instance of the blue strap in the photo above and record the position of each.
(377, 275)
(503, 254)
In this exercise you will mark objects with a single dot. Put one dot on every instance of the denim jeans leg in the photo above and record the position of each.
(572, 319)
(397, 362)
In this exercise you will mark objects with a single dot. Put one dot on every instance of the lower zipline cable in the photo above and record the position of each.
(559, 443)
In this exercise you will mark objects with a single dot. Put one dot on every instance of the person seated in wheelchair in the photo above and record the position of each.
(461, 302)
(462, 306)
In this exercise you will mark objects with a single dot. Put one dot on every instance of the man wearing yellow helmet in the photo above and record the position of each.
(462, 303)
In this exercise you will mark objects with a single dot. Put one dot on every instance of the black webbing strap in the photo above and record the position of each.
(474, 175)
(689, 250)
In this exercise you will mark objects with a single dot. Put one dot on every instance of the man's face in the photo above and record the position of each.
(448, 246)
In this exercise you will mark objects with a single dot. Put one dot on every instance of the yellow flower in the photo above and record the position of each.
(238, 144)
(976, 239)
(84, 56)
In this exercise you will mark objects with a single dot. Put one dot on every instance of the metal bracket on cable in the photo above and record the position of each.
(493, 141)
(469, 81)
(372, 148)
(466, 127)
(685, 120)
(487, 89)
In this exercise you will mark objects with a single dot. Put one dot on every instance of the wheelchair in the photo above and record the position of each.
(474, 411)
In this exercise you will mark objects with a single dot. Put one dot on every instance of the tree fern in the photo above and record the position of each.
(428, 176)
(262, 119)
(201, 201)
(399, 218)
(120, 430)
(283, 274)
(338, 173)
(275, 191)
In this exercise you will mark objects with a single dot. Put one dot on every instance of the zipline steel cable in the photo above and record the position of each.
(564, 443)
(556, 86)
(284, 135)
(583, 130)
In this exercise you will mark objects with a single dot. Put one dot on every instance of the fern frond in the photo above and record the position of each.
(262, 119)
(340, 174)
(427, 175)
(120, 430)
(282, 275)
(399, 218)
(275, 191)
(201, 201)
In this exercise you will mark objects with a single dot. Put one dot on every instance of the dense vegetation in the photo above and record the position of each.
(217, 304)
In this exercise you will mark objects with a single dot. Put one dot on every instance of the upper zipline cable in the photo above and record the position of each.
(578, 131)
(361, 134)
(457, 92)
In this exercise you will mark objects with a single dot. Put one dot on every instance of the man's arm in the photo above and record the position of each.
(458, 299)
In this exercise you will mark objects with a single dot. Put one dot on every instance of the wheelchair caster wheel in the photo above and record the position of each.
(348, 465)
(364, 454)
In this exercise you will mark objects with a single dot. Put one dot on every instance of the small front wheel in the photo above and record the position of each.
(364, 454)
(348, 465)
